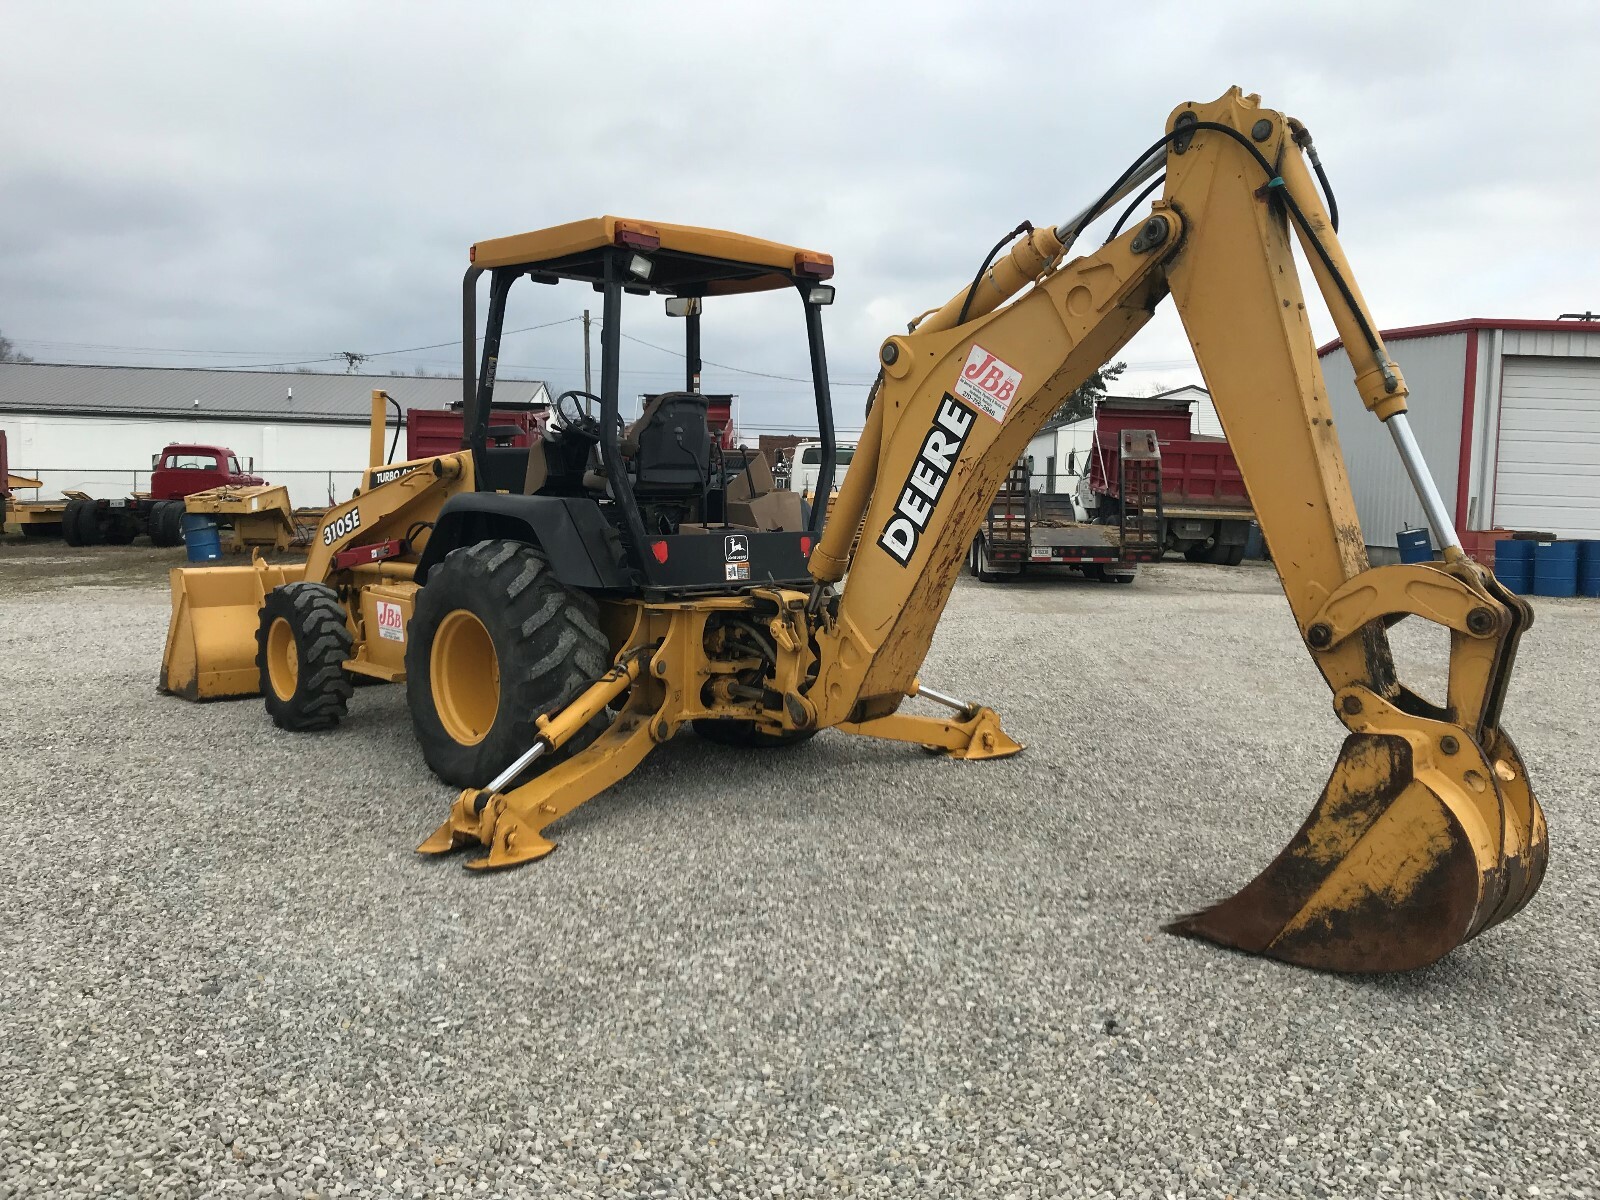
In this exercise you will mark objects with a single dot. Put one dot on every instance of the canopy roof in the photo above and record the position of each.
(686, 260)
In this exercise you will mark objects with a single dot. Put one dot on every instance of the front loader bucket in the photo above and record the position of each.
(1395, 867)
(211, 636)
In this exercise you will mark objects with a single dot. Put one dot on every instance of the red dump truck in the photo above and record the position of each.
(435, 431)
(431, 431)
(1204, 504)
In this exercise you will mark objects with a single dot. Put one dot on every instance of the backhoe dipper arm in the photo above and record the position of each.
(1427, 831)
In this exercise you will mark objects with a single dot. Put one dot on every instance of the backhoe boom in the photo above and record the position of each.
(1427, 831)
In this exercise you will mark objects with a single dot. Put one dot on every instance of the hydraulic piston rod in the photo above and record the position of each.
(1444, 531)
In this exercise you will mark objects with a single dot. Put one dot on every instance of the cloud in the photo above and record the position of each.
(298, 179)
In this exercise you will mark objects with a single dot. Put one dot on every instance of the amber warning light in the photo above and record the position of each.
(636, 235)
(817, 266)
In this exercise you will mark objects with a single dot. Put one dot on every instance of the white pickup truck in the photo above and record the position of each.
(806, 466)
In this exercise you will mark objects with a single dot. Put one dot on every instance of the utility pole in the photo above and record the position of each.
(588, 386)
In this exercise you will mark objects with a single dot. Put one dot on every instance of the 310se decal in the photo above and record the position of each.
(925, 484)
(337, 528)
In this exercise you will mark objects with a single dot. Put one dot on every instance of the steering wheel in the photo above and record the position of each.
(575, 416)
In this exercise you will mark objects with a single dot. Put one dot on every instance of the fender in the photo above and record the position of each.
(583, 548)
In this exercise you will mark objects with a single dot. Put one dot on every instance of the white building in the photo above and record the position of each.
(96, 428)
(1507, 414)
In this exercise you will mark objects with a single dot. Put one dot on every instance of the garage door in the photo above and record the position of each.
(1548, 473)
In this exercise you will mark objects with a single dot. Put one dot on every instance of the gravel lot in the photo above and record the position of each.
(842, 969)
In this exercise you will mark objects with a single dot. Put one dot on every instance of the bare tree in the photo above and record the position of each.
(9, 352)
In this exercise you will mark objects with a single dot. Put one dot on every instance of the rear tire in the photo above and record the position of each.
(39, 530)
(302, 644)
(1199, 552)
(981, 565)
(69, 523)
(511, 644)
(166, 523)
(90, 531)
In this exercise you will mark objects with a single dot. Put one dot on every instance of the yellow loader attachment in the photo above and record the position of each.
(211, 635)
(259, 516)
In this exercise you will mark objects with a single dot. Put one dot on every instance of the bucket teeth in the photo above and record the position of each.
(1392, 870)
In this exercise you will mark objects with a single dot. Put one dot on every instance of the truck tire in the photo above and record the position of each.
(981, 565)
(302, 643)
(1225, 556)
(90, 531)
(166, 523)
(120, 529)
(69, 523)
(496, 641)
(152, 522)
(1198, 552)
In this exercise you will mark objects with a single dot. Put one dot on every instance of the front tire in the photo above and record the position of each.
(302, 645)
(496, 641)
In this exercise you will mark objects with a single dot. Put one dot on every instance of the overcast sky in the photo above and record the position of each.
(218, 184)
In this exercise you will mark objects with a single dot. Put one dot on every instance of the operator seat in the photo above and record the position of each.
(670, 445)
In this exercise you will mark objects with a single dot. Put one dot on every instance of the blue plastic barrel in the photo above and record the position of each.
(1555, 569)
(1589, 568)
(1255, 544)
(1513, 564)
(1415, 545)
(201, 537)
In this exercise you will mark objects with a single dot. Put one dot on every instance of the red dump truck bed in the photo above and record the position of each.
(434, 431)
(1203, 497)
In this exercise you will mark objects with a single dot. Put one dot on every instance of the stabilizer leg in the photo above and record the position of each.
(511, 824)
(974, 735)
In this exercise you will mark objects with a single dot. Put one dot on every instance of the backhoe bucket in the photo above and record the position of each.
(211, 636)
(1396, 866)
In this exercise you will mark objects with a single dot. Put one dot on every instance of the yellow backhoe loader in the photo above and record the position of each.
(557, 612)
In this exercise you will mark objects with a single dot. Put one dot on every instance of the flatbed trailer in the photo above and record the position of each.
(1026, 529)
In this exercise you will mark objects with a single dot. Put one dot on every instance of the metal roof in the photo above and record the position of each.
(1578, 323)
(227, 395)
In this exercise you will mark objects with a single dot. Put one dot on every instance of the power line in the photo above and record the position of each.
(745, 370)
(303, 362)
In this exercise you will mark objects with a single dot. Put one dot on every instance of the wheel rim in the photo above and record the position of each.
(283, 659)
(465, 673)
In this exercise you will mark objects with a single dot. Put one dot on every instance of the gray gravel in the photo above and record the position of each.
(845, 969)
